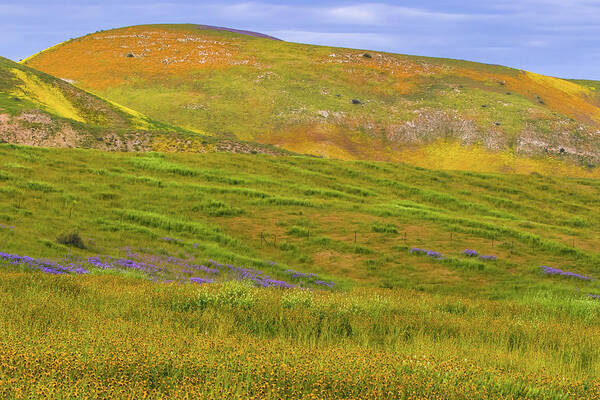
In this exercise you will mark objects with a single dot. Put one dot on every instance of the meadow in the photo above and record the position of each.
(250, 276)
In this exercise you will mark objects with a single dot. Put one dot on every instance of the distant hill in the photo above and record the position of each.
(41, 110)
(335, 102)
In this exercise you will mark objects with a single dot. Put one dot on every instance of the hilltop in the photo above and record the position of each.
(336, 102)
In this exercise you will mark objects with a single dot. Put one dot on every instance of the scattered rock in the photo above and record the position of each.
(367, 55)
(130, 55)
(356, 101)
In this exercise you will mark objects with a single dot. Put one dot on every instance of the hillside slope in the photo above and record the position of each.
(38, 109)
(41, 110)
(335, 102)
(351, 221)
(425, 284)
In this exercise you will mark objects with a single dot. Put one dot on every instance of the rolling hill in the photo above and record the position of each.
(41, 110)
(336, 102)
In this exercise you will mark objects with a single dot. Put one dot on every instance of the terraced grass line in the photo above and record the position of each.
(175, 225)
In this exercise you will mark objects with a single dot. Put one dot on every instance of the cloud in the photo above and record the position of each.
(537, 43)
(381, 13)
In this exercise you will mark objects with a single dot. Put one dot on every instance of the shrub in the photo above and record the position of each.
(71, 239)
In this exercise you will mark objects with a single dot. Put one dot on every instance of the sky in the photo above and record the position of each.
(552, 37)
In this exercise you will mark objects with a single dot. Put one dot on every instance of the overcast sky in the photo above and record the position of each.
(552, 37)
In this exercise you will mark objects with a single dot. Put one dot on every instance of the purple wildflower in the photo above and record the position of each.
(470, 253)
(430, 253)
(46, 266)
(556, 271)
(300, 275)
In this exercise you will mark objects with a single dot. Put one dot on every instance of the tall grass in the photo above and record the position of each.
(115, 336)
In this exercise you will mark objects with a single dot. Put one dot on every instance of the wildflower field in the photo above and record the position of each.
(250, 276)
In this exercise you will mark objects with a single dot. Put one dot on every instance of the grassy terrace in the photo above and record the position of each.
(395, 323)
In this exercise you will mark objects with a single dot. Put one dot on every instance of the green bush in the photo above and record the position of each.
(71, 239)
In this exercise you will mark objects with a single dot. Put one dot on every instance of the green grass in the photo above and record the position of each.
(227, 201)
(395, 325)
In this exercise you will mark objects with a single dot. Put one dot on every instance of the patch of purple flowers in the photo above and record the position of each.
(47, 266)
(470, 253)
(255, 276)
(488, 258)
(430, 253)
(164, 269)
(556, 271)
(309, 278)
(300, 275)
(594, 296)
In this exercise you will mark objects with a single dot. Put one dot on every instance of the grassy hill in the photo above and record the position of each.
(42, 110)
(146, 256)
(336, 102)
(38, 109)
